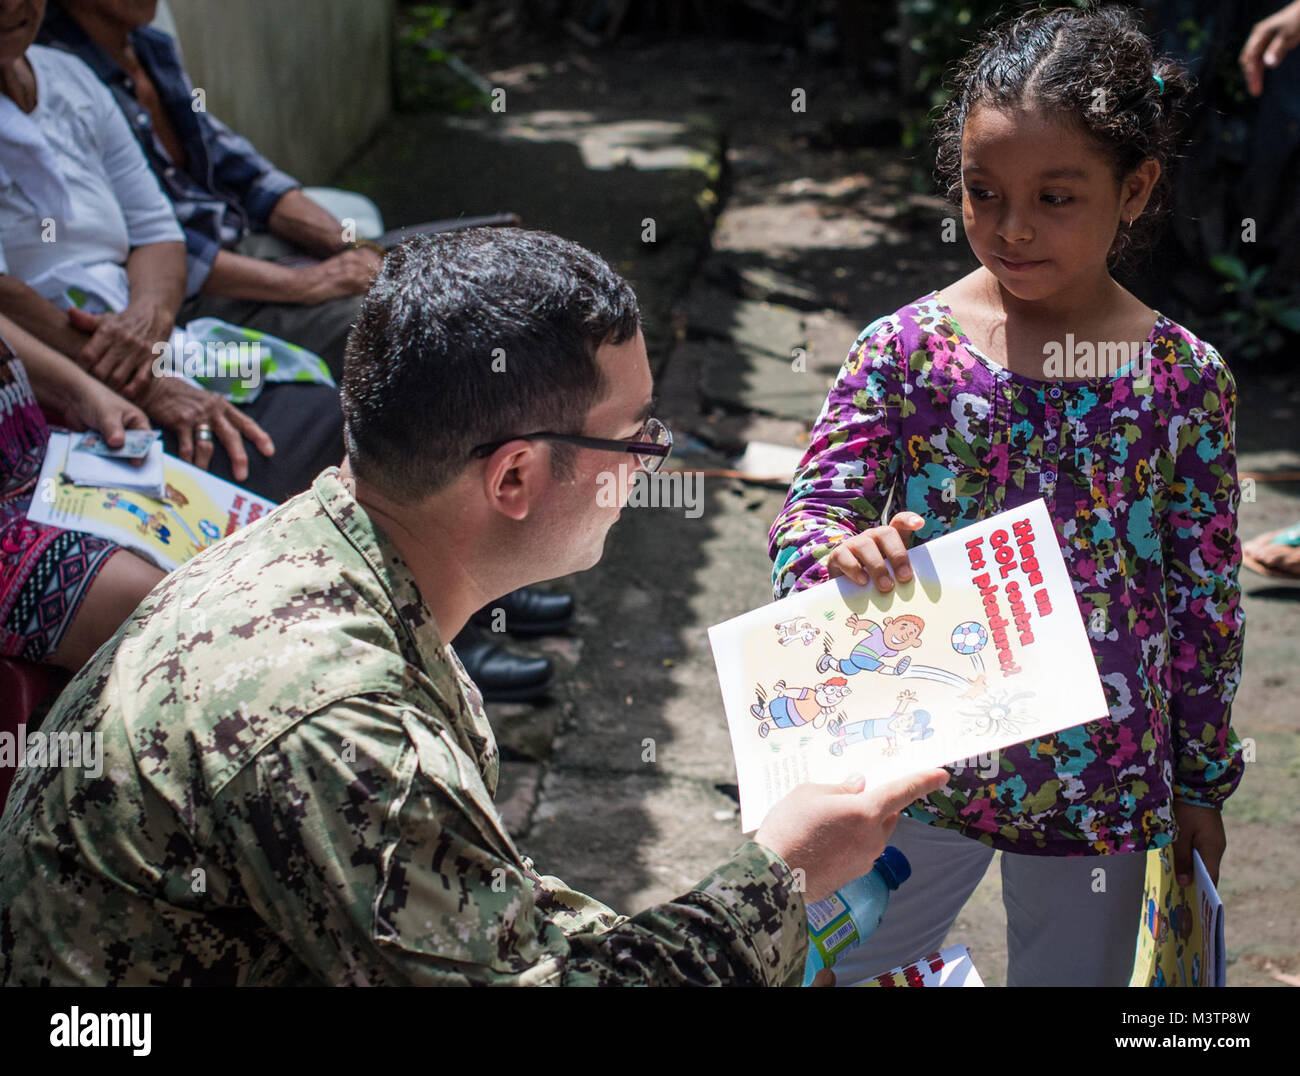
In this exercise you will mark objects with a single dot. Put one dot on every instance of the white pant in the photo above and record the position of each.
(1060, 930)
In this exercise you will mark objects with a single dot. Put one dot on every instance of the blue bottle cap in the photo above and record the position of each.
(893, 867)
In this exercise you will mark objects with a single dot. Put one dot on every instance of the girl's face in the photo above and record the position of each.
(1040, 202)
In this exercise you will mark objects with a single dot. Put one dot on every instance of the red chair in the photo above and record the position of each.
(25, 687)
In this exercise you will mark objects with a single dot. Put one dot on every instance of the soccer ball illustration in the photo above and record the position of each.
(970, 637)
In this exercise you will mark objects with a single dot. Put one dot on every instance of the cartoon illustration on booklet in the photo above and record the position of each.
(189, 511)
(984, 647)
(1180, 941)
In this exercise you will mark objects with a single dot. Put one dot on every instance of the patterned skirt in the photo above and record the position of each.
(45, 572)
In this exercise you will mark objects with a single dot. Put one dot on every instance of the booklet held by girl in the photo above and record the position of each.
(983, 648)
(1180, 941)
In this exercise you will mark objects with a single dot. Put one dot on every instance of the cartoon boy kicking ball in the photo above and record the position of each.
(793, 707)
(898, 633)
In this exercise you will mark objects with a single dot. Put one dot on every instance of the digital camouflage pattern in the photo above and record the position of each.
(1139, 475)
(297, 788)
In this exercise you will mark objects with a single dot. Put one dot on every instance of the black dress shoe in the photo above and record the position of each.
(501, 676)
(527, 612)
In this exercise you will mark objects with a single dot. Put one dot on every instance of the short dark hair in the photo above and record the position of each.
(1069, 61)
(471, 337)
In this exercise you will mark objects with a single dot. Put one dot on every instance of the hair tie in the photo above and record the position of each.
(1159, 82)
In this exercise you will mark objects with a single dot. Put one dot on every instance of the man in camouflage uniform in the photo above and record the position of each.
(297, 775)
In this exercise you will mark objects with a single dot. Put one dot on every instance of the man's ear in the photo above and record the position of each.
(515, 478)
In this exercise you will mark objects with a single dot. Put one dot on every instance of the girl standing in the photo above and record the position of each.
(1038, 375)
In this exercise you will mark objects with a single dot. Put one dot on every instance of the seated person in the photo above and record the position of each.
(227, 196)
(225, 193)
(327, 769)
(62, 593)
(80, 212)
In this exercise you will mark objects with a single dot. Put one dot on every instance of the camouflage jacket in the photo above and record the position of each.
(297, 787)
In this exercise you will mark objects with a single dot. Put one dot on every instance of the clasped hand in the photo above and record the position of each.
(120, 351)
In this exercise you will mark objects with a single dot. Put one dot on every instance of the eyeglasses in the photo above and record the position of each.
(651, 448)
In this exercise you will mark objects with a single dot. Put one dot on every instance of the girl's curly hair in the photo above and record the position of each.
(1095, 68)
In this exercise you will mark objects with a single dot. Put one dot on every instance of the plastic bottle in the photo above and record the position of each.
(850, 916)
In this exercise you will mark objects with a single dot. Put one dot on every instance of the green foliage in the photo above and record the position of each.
(426, 19)
(938, 34)
(1224, 81)
(428, 74)
(1257, 324)
(1259, 316)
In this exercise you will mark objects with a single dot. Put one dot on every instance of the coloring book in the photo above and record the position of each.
(1180, 942)
(195, 510)
(983, 648)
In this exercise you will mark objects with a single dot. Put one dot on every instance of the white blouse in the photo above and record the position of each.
(114, 202)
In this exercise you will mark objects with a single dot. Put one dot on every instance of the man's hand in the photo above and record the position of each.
(834, 833)
(97, 407)
(1269, 41)
(1199, 828)
(349, 273)
(867, 557)
(120, 351)
(180, 407)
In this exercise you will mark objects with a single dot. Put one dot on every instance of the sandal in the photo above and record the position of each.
(1283, 565)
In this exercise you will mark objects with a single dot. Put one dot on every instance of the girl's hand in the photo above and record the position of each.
(1200, 828)
(94, 406)
(867, 557)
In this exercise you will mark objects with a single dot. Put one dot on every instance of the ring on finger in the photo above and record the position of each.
(203, 432)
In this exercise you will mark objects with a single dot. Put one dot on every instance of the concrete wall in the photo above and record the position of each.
(307, 81)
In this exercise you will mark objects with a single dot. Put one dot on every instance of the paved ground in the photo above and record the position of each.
(772, 230)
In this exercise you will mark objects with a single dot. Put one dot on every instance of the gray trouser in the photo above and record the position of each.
(1061, 931)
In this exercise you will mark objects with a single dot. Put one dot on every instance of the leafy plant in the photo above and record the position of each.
(1257, 324)
(427, 72)
(937, 33)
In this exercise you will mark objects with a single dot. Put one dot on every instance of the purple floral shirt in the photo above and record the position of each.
(1139, 476)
